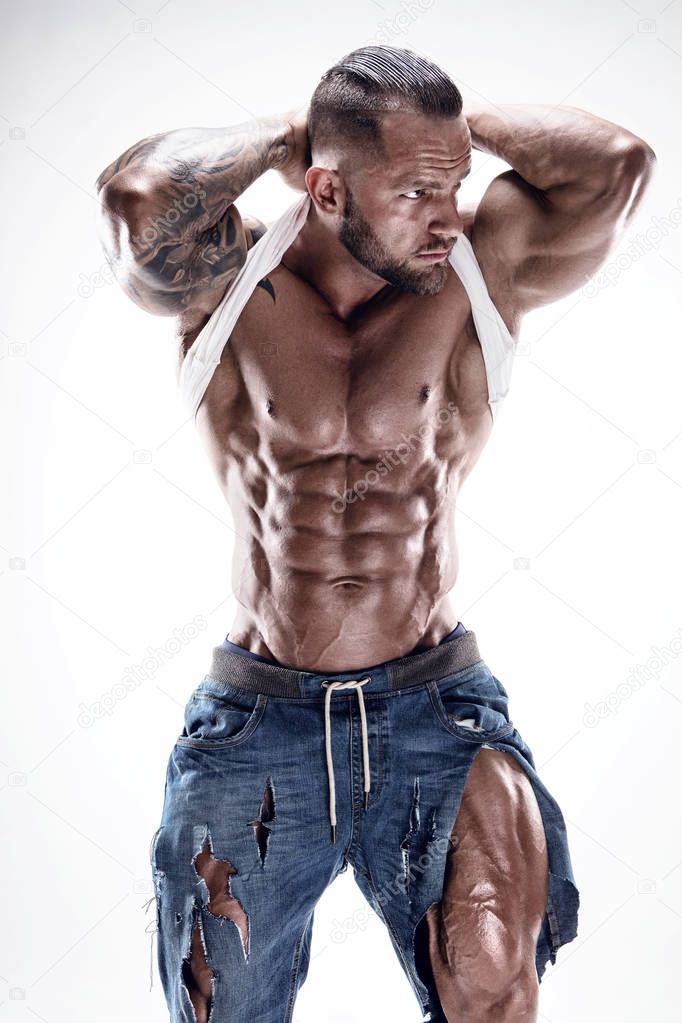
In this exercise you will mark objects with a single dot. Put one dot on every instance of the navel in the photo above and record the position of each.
(270, 407)
(424, 393)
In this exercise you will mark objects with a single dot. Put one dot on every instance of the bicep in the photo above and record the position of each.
(547, 244)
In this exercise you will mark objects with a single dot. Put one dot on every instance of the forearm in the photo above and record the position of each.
(197, 172)
(552, 147)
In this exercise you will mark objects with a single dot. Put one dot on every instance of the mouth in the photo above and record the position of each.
(433, 257)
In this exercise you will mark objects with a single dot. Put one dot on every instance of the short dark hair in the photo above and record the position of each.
(345, 108)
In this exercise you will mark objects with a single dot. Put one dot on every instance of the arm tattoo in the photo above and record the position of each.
(175, 193)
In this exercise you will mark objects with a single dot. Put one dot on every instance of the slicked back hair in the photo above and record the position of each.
(346, 107)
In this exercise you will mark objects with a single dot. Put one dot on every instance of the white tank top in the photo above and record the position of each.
(203, 356)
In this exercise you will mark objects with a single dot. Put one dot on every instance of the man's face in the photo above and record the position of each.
(407, 204)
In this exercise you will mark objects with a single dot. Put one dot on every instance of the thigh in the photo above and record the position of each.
(483, 933)
(239, 862)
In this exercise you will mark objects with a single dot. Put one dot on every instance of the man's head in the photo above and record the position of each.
(389, 145)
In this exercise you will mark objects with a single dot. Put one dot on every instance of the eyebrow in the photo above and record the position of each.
(424, 182)
(420, 183)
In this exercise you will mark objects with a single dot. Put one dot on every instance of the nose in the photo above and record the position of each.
(447, 222)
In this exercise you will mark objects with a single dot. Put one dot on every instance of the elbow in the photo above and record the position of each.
(641, 160)
(636, 167)
(102, 179)
(123, 216)
(118, 199)
(648, 154)
(111, 221)
(640, 165)
(628, 174)
(635, 158)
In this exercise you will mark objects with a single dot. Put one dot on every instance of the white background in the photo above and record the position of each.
(114, 534)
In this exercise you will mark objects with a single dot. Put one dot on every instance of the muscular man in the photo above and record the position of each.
(345, 366)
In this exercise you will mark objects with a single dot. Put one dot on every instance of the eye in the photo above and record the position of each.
(418, 192)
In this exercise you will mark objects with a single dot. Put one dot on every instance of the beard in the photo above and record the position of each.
(358, 237)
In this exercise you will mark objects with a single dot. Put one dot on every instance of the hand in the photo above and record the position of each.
(480, 117)
(299, 159)
(471, 111)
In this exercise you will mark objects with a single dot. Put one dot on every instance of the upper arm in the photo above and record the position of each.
(168, 265)
(545, 244)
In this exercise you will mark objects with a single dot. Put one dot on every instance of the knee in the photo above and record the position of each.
(499, 998)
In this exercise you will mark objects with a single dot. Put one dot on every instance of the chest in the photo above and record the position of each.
(295, 374)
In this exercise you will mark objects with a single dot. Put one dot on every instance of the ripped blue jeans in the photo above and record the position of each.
(281, 778)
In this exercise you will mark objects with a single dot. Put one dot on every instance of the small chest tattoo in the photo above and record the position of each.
(267, 286)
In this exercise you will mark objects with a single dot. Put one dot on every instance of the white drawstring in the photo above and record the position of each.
(151, 930)
(330, 687)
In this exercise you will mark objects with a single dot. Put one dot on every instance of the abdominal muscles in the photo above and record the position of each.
(342, 562)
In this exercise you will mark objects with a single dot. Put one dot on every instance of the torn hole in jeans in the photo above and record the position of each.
(214, 875)
(197, 976)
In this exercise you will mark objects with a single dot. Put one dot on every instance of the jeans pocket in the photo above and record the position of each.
(215, 721)
(473, 706)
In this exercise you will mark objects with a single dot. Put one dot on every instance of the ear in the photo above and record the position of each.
(326, 189)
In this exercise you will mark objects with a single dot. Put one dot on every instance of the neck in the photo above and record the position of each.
(318, 256)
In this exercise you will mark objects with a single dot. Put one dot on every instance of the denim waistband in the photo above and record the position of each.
(241, 669)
